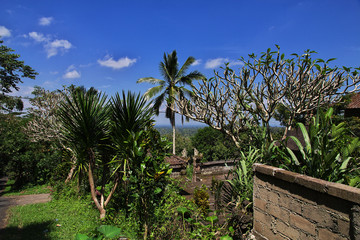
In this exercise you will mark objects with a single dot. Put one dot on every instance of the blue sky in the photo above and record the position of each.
(110, 44)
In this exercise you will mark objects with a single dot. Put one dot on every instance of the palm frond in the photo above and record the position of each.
(130, 113)
(185, 67)
(157, 103)
(172, 64)
(164, 72)
(151, 80)
(84, 117)
(151, 92)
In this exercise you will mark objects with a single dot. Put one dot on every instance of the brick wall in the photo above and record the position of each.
(288, 205)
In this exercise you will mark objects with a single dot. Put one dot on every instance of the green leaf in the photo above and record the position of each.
(293, 157)
(109, 231)
(306, 138)
(80, 236)
(212, 218)
(157, 190)
(227, 237)
(143, 166)
(182, 210)
(331, 59)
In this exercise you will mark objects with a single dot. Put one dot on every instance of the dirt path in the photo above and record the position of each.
(6, 202)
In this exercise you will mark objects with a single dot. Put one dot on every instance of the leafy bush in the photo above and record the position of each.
(329, 151)
(214, 145)
(201, 199)
(24, 161)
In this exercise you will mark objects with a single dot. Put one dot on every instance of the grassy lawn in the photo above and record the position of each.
(58, 219)
(10, 191)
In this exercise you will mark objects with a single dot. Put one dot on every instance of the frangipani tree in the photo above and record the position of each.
(234, 102)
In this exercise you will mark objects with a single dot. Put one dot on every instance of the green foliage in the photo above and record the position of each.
(107, 232)
(11, 72)
(239, 187)
(201, 199)
(24, 161)
(28, 189)
(327, 153)
(147, 181)
(12, 69)
(214, 145)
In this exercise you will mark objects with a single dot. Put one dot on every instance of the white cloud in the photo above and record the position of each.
(197, 62)
(71, 73)
(214, 63)
(71, 67)
(24, 91)
(4, 32)
(53, 48)
(108, 61)
(38, 37)
(217, 62)
(45, 21)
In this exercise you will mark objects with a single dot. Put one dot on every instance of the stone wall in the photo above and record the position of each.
(206, 168)
(288, 205)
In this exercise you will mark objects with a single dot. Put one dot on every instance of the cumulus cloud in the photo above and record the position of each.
(53, 47)
(72, 74)
(124, 62)
(214, 63)
(4, 32)
(38, 37)
(197, 62)
(45, 21)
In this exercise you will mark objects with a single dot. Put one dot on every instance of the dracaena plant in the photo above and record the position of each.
(327, 151)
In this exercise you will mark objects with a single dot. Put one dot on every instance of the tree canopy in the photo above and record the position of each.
(11, 71)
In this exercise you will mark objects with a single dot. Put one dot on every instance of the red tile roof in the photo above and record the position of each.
(176, 160)
(355, 101)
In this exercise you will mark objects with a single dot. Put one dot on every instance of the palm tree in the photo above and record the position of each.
(173, 85)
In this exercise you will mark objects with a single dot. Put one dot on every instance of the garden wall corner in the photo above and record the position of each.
(289, 205)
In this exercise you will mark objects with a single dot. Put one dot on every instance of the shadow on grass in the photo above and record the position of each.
(34, 231)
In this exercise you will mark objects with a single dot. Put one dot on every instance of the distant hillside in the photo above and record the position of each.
(184, 131)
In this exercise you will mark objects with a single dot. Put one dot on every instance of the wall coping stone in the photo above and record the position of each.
(346, 192)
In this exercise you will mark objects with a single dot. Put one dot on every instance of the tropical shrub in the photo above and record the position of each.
(201, 199)
(328, 152)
